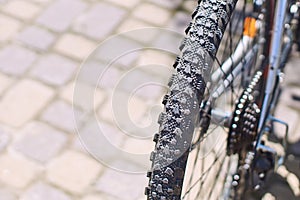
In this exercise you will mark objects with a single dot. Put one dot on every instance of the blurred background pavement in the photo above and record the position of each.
(42, 46)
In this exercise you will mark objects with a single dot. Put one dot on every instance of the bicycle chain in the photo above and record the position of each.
(243, 129)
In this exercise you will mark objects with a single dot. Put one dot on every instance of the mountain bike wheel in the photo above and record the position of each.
(190, 159)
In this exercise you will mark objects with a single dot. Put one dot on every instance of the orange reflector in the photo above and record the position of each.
(250, 27)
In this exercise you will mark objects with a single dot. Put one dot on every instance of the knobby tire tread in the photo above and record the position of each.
(182, 103)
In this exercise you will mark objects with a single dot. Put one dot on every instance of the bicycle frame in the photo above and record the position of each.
(275, 61)
(272, 84)
(235, 64)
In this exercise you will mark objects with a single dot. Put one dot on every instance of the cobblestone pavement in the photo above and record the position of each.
(42, 45)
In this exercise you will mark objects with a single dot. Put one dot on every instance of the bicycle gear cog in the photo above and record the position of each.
(243, 129)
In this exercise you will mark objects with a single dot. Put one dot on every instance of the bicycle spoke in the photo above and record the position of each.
(204, 170)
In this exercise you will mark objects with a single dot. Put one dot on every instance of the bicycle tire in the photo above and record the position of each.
(182, 103)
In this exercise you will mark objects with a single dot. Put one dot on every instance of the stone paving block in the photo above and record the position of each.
(294, 136)
(90, 72)
(5, 82)
(127, 109)
(5, 138)
(190, 6)
(131, 24)
(152, 14)
(122, 185)
(43, 191)
(111, 133)
(98, 197)
(132, 163)
(105, 141)
(180, 22)
(97, 73)
(7, 194)
(119, 51)
(292, 72)
(137, 108)
(110, 78)
(131, 113)
(169, 41)
(54, 69)
(40, 142)
(146, 35)
(127, 61)
(96, 95)
(140, 31)
(16, 171)
(138, 146)
(288, 97)
(36, 37)
(59, 16)
(21, 9)
(127, 3)
(94, 23)
(289, 116)
(15, 60)
(268, 196)
(74, 46)
(8, 27)
(73, 171)
(139, 151)
(77, 145)
(141, 82)
(101, 139)
(149, 120)
(67, 93)
(157, 62)
(106, 111)
(61, 115)
(42, 2)
(170, 4)
(23, 101)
